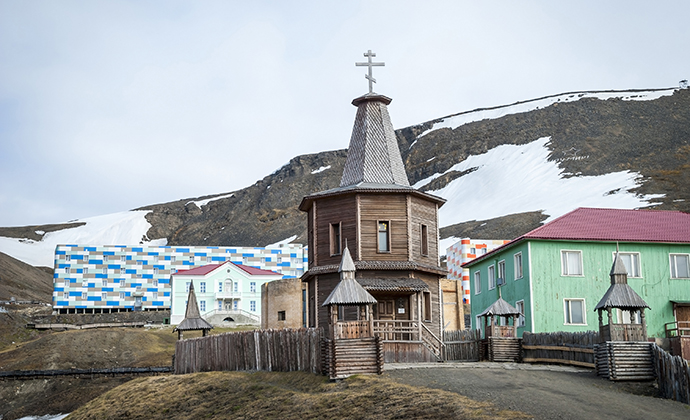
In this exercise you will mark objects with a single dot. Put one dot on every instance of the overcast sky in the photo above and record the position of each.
(108, 106)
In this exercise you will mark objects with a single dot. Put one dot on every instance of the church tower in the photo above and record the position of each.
(390, 228)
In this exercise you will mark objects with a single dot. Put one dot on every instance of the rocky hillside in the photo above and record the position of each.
(589, 137)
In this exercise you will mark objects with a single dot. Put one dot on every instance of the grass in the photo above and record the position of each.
(273, 395)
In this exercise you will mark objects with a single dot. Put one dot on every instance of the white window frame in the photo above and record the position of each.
(252, 305)
(567, 312)
(518, 275)
(638, 266)
(501, 270)
(202, 306)
(491, 276)
(104, 296)
(252, 287)
(564, 271)
(477, 282)
(521, 317)
(674, 265)
(202, 287)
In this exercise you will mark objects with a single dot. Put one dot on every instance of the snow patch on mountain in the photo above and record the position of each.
(457, 120)
(200, 203)
(124, 228)
(321, 169)
(514, 179)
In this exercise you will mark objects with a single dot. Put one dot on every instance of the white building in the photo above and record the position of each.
(225, 291)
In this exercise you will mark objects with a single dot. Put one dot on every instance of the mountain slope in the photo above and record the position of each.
(531, 160)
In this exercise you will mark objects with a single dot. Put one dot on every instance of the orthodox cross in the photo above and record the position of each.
(370, 64)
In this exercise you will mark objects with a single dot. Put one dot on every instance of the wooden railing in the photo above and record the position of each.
(352, 329)
(677, 329)
(507, 331)
(622, 332)
(402, 330)
(433, 343)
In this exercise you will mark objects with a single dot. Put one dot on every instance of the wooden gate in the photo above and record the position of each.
(462, 345)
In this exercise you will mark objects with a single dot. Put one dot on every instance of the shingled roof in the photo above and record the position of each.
(348, 291)
(373, 155)
(192, 318)
(620, 294)
(500, 308)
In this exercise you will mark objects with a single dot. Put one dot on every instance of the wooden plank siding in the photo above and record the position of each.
(382, 207)
(423, 213)
(340, 209)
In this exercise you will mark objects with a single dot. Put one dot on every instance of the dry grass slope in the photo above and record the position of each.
(267, 395)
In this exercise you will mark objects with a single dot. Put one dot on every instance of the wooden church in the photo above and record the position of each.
(391, 231)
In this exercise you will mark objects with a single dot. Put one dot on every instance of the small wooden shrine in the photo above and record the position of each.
(192, 318)
(623, 352)
(500, 342)
(351, 347)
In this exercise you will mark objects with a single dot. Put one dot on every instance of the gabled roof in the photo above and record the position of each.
(609, 225)
(206, 269)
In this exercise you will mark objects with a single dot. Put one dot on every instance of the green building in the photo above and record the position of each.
(556, 274)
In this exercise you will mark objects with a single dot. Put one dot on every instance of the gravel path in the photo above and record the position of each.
(544, 391)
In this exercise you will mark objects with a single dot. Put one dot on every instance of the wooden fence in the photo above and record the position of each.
(560, 347)
(267, 350)
(462, 345)
(84, 373)
(672, 375)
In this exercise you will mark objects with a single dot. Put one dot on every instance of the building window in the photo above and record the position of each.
(68, 270)
(631, 261)
(86, 258)
(336, 247)
(517, 265)
(477, 283)
(187, 287)
(574, 311)
(122, 282)
(68, 257)
(220, 287)
(202, 306)
(104, 296)
(235, 304)
(209, 259)
(425, 240)
(173, 258)
(483, 251)
(384, 237)
(105, 258)
(191, 258)
(85, 270)
(104, 283)
(492, 277)
(502, 272)
(252, 287)
(281, 315)
(427, 306)
(84, 296)
(84, 283)
(680, 266)
(155, 282)
(252, 306)
(220, 305)
(138, 289)
(122, 271)
(235, 287)
(571, 263)
(520, 306)
(105, 270)
(123, 295)
(473, 251)
(123, 258)
(202, 287)
(155, 295)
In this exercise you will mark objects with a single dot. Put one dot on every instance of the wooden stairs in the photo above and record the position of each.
(345, 357)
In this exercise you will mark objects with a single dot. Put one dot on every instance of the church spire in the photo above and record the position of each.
(373, 155)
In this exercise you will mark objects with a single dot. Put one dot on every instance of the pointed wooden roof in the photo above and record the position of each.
(373, 155)
(500, 308)
(620, 294)
(348, 291)
(192, 318)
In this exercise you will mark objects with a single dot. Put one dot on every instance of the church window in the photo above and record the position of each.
(384, 244)
(335, 239)
(425, 240)
(427, 306)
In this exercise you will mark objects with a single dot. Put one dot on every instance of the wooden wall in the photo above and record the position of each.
(383, 207)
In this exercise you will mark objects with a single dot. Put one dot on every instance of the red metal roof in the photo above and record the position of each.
(617, 225)
(591, 224)
(205, 269)
(256, 271)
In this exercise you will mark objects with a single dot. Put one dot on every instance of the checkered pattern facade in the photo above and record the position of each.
(463, 251)
(137, 277)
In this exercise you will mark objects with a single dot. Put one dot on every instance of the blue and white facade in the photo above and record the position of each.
(101, 279)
